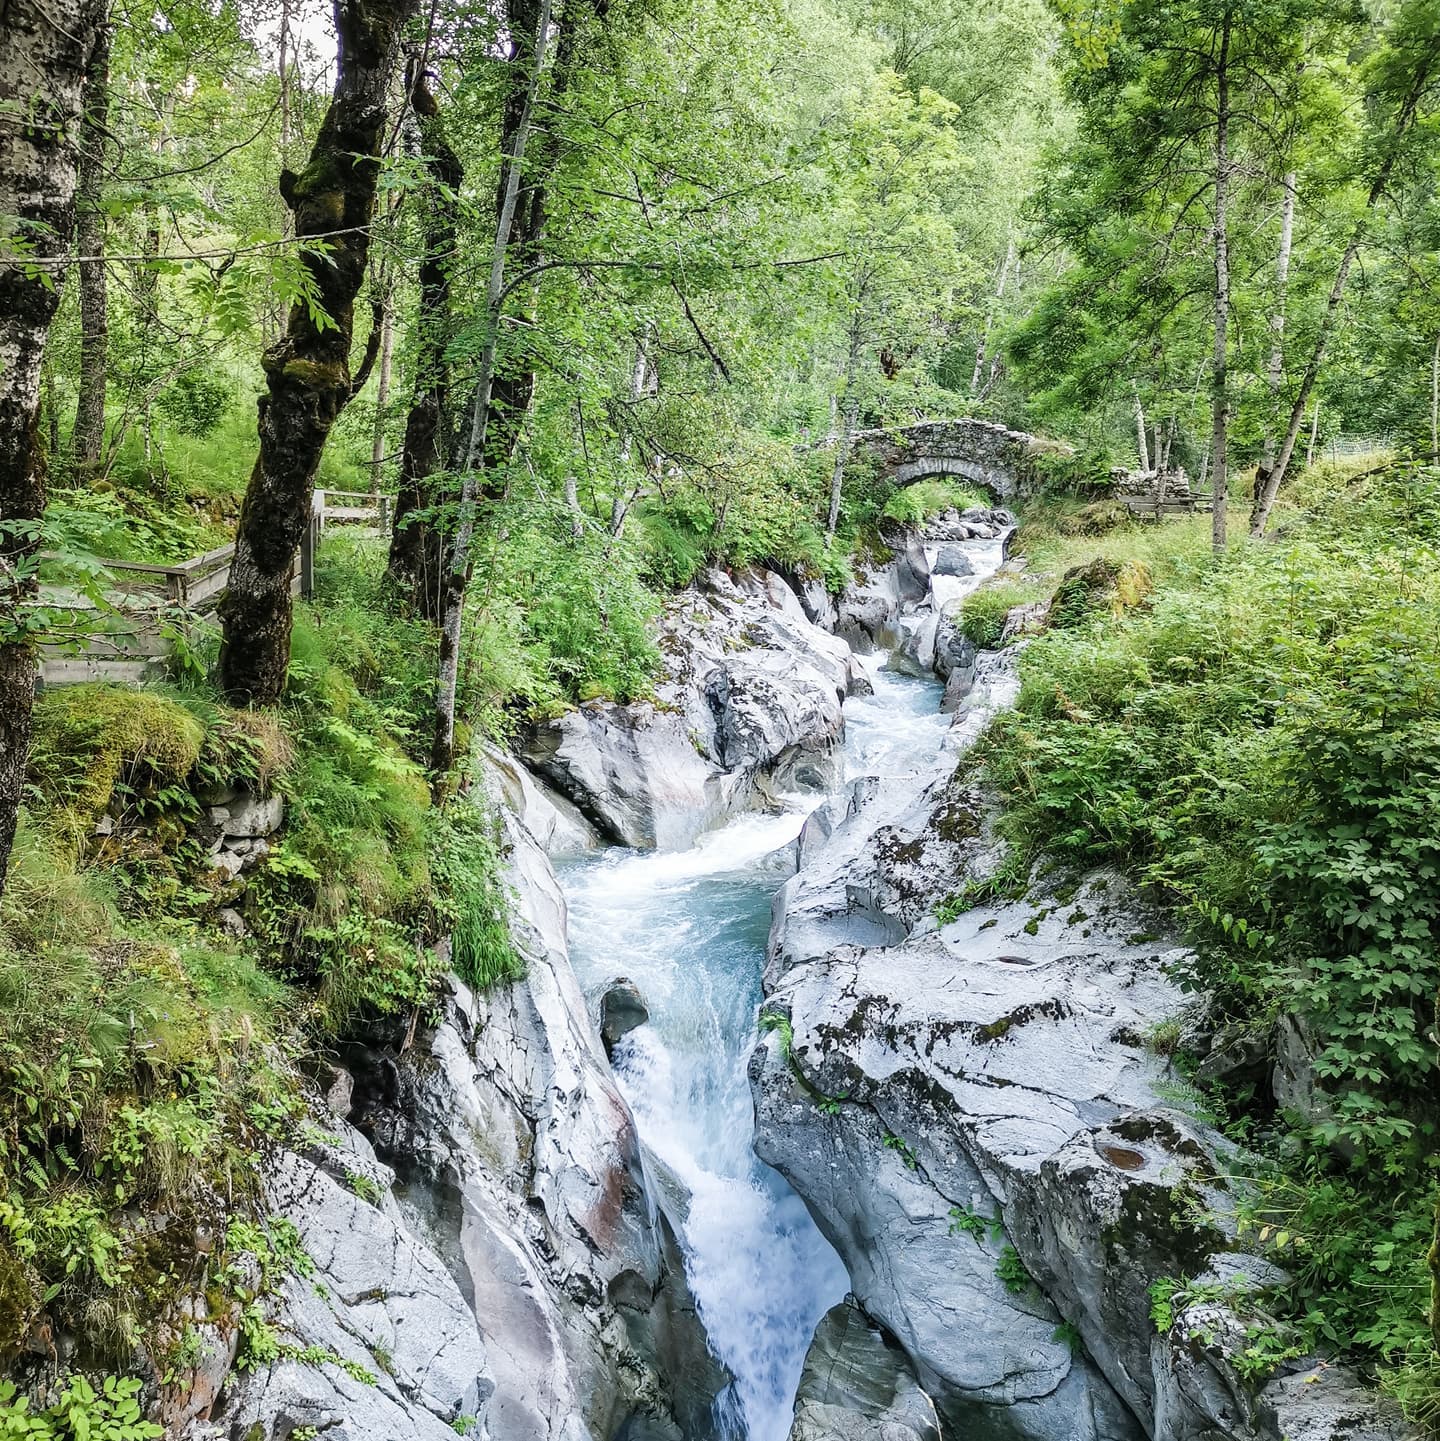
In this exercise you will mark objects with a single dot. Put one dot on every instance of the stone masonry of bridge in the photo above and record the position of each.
(979, 451)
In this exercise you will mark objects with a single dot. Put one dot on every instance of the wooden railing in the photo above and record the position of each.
(149, 607)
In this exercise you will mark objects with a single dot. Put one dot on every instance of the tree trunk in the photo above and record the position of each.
(982, 349)
(1433, 1259)
(457, 577)
(1435, 403)
(512, 382)
(416, 547)
(89, 437)
(307, 371)
(1219, 370)
(848, 414)
(1275, 370)
(1314, 435)
(45, 53)
(1141, 444)
(1428, 57)
(382, 384)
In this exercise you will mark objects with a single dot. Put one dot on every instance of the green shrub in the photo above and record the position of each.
(983, 612)
(1262, 742)
(471, 901)
(80, 1413)
(923, 501)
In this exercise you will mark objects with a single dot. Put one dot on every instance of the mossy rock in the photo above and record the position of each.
(1102, 586)
(1100, 517)
(17, 1303)
(87, 738)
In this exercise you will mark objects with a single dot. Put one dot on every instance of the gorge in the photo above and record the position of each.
(963, 1162)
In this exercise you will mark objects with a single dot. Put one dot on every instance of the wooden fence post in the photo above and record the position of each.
(308, 541)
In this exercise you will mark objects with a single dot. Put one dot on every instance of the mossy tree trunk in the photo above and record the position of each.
(45, 51)
(1434, 1260)
(89, 434)
(307, 371)
(417, 556)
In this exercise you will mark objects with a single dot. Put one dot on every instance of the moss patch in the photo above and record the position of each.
(88, 737)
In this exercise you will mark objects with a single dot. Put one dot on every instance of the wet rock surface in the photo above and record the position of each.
(974, 1116)
(858, 1386)
(751, 692)
(511, 1271)
(622, 1009)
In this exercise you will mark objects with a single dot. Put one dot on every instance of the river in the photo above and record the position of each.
(689, 929)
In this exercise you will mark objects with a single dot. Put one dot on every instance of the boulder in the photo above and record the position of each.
(752, 692)
(247, 816)
(553, 821)
(972, 1114)
(622, 1008)
(858, 1386)
(952, 560)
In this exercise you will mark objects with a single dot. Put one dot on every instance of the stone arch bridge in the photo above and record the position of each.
(986, 454)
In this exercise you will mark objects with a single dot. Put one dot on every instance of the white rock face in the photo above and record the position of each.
(379, 1301)
(522, 1164)
(520, 1271)
(858, 1386)
(967, 1104)
(751, 695)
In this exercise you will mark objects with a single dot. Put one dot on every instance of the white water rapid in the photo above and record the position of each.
(689, 929)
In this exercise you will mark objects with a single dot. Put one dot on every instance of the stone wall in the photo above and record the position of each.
(979, 451)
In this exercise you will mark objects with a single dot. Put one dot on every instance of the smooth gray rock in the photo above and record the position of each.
(246, 816)
(952, 560)
(379, 1300)
(752, 692)
(523, 1166)
(622, 1008)
(997, 1068)
(858, 1386)
(553, 821)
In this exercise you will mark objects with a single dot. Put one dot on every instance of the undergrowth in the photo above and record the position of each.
(1260, 740)
(150, 1057)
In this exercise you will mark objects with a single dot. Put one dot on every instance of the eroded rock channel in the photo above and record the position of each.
(760, 1149)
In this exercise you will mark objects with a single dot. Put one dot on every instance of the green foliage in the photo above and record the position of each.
(90, 739)
(1069, 1335)
(1261, 743)
(774, 1021)
(471, 902)
(923, 501)
(902, 1148)
(983, 611)
(1010, 1270)
(79, 1413)
(965, 1222)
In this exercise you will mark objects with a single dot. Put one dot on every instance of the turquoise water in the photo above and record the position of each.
(689, 928)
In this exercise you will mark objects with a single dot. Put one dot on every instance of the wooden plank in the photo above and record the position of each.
(351, 512)
(133, 565)
(75, 670)
(208, 587)
(224, 553)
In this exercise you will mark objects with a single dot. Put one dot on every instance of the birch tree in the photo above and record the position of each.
(45, 53)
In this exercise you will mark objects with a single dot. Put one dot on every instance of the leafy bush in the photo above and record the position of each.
(80, 1413)
(983, 612)
(1263, 743)
(923, 501)
(471, 901)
